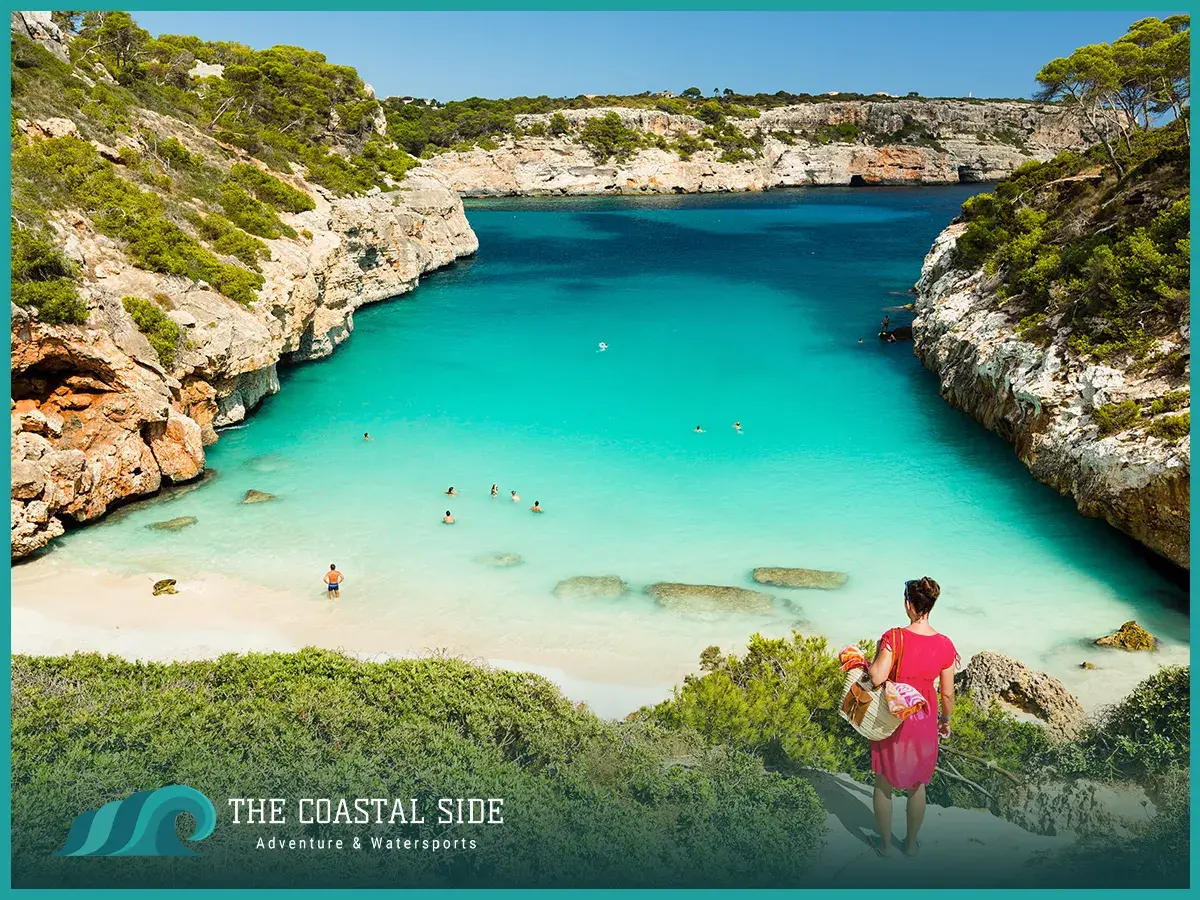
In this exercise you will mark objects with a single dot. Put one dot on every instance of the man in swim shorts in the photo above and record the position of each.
(333, 582)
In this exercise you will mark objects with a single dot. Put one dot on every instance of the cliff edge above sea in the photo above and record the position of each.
(161, 272)
(1056, 313)
(622, 150)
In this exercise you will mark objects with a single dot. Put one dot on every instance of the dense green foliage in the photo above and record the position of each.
(53, 174)
(586, 802)
(780, 701)
(1099, 243)
(162, 333)
(606, 137)
(270, 190)
(41, 278)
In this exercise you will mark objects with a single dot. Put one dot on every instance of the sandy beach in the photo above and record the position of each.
(59, 608)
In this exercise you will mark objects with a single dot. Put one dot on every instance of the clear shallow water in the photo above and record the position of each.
(735, 308)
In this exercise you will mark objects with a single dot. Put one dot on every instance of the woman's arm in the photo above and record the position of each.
(946, 690)
(882, 666)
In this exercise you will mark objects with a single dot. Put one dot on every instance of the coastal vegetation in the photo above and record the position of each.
(707, 788)
(1095, 246)
(587, 802)
(162, 333)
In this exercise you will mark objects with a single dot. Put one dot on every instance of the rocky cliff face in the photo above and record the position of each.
(1042, 400)
(96, 419)
(957, 141)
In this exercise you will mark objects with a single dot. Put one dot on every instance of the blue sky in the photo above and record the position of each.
(455, 55)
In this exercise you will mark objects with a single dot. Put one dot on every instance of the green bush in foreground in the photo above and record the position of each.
(588, 803)
(1171, 428)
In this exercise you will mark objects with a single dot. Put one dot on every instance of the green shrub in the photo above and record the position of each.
(162, 333)
(784, 137)
(607, 137)
(306, 234)
(228, 239)
(486, 143)
(270, 190)
(1115, 417)
(686, 144)
(42, 278)
(1170, 401)
(1142, 737)
(842, 132)
(177, 154)
(67, 171)
(252, 216)
(1171, 428)
(587, 803)
(558, 124)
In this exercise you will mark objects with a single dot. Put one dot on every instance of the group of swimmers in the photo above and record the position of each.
(448, 518)
(737, 426)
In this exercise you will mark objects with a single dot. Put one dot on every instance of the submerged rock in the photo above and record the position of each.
(992, 675)
(500, 560)
(589, 587)
(1130, 636)
(165, 586)
(709, 598)
(799, 578)
(253, 496)
(1087, 665)
(177, 524)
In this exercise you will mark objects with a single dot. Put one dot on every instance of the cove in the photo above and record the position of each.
(715, 310)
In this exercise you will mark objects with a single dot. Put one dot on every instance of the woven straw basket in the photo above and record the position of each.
(865, 708)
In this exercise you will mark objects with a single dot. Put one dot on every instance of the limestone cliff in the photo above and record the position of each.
(898, 141)
(1043, 400)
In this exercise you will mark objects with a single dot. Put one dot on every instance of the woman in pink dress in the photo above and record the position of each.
(905, 760)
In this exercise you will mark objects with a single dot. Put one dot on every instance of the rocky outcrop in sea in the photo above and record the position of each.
(902, 141)
(1043, 399)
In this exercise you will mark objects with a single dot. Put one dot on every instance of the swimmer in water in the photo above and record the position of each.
(451, 492)
(516, 498)
(603, 346)
(737, 426)
(495, 489)
(333, 582)
(860, 340)
(447, 518)
(699, 430)
(366, 437)
(537, 507)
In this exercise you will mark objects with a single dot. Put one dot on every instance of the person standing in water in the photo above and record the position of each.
(495, 489)
(905, 760)
(516, 498)
(366, 436)
(333, 582)
(451, 492)
(699, 430)
(537, 507)
(447, 518)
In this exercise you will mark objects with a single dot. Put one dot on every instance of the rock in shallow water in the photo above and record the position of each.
(799, 578)
(500, 560)
(1130, 636)
(176, 524)
(709, 598)
(165, 586)
(588, 587)
(253, 496)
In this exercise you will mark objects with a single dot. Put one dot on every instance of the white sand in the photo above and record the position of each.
(58, 609)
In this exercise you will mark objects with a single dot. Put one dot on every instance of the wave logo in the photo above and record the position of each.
(143, 824)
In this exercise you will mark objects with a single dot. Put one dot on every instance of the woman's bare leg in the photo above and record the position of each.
(882, 801)
(916, 815)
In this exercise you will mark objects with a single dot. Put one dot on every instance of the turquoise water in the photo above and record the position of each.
(715, 310)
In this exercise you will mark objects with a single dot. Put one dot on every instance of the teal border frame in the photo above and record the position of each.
(1133, 7)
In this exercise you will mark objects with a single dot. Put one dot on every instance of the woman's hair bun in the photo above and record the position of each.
(929, 587)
